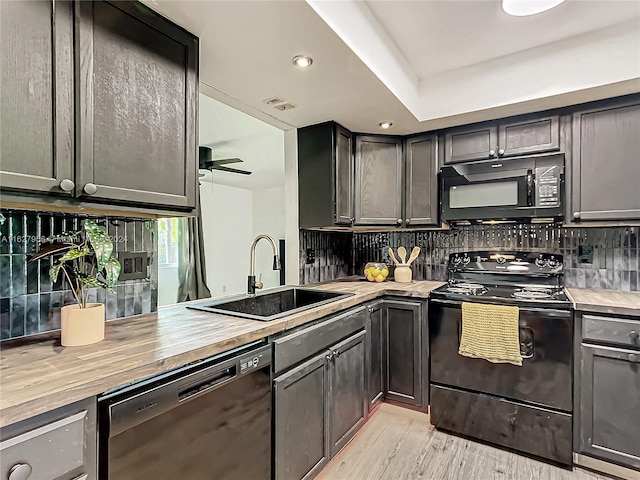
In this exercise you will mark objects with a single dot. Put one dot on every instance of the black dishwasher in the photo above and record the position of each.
(207, 420)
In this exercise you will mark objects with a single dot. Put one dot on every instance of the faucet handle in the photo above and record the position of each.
(259, 283)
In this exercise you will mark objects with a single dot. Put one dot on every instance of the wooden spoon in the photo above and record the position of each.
(414, 254)
(393, 257)
(402, 253)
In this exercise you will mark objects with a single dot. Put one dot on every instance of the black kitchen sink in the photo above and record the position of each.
(271, 306)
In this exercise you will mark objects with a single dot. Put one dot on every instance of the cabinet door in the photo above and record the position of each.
(605, 166)
(476, 142)
(529, 136)
(378, 190)
(403, 376)
(421, 185)
(36, 102)
(609, 413)
(375, 385)
(300, 424)
(137, 106)
(344, 177)
(347, 400)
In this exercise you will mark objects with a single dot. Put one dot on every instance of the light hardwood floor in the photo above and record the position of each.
(400, 444)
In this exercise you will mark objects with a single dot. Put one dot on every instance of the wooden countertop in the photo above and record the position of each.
(37, 376)
(599, 300)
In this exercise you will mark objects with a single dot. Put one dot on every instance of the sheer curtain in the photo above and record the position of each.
(192, 273)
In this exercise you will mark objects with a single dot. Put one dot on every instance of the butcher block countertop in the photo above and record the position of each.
(40, 375)
(598, 300)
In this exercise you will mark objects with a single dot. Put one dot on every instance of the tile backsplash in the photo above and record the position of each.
(30, 302)
(615, 263)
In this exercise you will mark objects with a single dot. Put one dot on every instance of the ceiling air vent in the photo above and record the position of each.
(285, 106)
(273, 101)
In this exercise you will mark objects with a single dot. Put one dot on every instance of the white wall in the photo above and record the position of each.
(292, 236)
(227, 214)
(168, 285)
(268, 218)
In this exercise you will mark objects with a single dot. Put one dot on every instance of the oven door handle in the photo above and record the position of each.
(547, 311)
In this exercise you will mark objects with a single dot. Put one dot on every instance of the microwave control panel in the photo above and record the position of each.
(548, 186)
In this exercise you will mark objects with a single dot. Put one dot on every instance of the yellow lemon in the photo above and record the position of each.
(367, 270)
(375, 272)
(384, 272)
(379, 278)
(370, 277)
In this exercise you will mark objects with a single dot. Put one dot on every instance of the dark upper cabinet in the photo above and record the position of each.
(36, 96)
(375, 384)
(300, 420)
(325, 175)
(405, 352)
(378, 190)
(467, 143)
(347, 403)
(421, 180)
(509, 137)
(609, 415)
(605, 165)
(136, 109)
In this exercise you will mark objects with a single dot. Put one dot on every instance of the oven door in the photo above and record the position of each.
(545, 344)
(489, 190)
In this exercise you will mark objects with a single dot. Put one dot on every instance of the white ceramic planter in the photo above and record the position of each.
(82, 326)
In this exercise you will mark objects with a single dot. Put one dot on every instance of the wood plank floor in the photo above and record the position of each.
(400, 444)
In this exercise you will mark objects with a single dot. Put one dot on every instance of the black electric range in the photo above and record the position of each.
(525, 408)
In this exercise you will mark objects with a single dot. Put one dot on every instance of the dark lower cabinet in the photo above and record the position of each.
(405, 354)
(36, 96)
(301, 422)
(347, 403)
(375, 384)
(318, 407)
(610, 404)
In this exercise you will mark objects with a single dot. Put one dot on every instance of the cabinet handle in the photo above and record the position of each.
(20, 471)
(492, 153)
(632, 357)
(329, 357)
(633, 335)
(90, 189)
(399, 221)
(67, 185)
(500, 152)
(335, 353)
(407, 221)
(576, 214)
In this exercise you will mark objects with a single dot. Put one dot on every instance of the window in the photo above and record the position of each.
(168, 241)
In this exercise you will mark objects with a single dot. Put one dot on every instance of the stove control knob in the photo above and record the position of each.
(500, 260)
(465, 259)
(541, 262)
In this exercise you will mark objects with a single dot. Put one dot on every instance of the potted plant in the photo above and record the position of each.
(86, 261)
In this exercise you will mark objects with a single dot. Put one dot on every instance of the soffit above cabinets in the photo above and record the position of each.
(421, 65)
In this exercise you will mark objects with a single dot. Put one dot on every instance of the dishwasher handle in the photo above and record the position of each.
(133, 408)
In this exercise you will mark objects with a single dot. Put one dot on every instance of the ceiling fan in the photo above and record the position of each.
(207, 162)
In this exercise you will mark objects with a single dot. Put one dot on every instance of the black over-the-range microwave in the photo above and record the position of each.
(521, 188)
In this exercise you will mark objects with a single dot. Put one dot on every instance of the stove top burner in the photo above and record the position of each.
(467, 288)
(531, 294)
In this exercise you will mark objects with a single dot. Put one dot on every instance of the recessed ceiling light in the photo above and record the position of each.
(302, 61)
(385, 125)
(522, 8)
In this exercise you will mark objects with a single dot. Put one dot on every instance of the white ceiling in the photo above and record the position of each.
(446, 62)
(234, 134)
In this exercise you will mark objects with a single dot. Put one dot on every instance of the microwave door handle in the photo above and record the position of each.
(530, 180)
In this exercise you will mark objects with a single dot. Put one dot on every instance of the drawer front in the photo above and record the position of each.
(294, 348)
(50, 451)
(620, 331)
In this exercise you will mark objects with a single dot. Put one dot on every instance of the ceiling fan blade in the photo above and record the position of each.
(230, 170)
(224, 161)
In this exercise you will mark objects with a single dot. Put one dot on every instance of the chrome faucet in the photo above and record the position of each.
(252, 284)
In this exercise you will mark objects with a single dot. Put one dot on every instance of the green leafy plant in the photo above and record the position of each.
(86, 260)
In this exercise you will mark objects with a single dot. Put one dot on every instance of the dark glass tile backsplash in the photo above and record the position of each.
(30, 302)
(615, 263)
